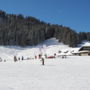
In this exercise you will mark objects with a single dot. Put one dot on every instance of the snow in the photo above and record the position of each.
(84, 43)
(70, 73)
(87, 44)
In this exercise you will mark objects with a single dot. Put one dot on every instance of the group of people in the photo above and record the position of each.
(17, 59)
(2, 60)
(40, 57)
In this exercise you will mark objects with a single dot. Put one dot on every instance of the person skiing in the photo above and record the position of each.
(42, 61)
(15, 58)
(35, 57)
(22, 58)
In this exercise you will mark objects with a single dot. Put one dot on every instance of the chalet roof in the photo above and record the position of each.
(87, 44)
(85, 47)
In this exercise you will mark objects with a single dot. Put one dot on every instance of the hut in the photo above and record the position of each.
(85, 50)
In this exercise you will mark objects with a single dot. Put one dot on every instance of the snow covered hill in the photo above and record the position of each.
(71, 73)
(49, 47)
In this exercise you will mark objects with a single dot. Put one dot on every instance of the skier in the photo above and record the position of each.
(54, 55)
(42, 61)
(35, 57)
(22, 58)
(15, 59)
(39, 56)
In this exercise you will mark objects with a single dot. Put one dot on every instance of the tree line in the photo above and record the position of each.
(29, 31)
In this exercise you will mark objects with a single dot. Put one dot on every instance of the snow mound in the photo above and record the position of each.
(49, 42)
(87, 44)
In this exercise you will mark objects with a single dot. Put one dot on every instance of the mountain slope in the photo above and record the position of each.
(29, 31)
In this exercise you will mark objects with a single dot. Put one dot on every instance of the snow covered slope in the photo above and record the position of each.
(72, 73)
(50, 47)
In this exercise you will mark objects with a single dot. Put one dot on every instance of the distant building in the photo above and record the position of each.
(85, 50)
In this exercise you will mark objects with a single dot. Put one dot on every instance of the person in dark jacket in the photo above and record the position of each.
(15, 58)
(42, 61)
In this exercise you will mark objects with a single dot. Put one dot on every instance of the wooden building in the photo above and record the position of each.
(85, 50)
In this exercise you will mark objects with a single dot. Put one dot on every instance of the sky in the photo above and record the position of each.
(71, 13)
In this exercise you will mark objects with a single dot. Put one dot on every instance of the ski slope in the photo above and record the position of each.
(71, 73)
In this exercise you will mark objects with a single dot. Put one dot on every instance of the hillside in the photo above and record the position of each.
(18, 30)
(49, 47)
(70, 73)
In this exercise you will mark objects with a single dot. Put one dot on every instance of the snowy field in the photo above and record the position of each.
(72, 73)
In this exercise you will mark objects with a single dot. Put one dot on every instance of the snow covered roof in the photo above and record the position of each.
(87, 44)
